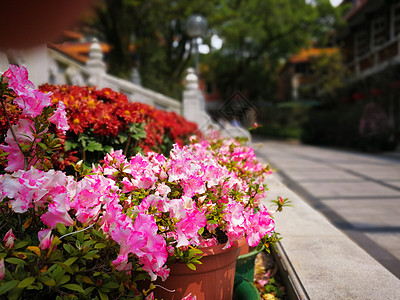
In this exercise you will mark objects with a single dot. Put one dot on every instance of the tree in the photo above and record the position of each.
(330, 73)
(149, 34)
(258, 35)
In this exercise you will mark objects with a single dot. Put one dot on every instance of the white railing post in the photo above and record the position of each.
(3, 62)
(95, 65)
(193, 108)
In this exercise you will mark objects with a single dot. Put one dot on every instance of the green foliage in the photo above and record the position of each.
(329, 72)
(95, 147)
(40, 144)
(272, 288)
(75, 266)
(283, 122)
(156, 28)
(257, 35)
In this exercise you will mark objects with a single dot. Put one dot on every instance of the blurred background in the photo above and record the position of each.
(318, 71)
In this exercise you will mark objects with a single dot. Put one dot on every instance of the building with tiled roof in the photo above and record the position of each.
(372, 36)
(297, 73)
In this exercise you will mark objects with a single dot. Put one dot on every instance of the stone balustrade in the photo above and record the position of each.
(47, 65)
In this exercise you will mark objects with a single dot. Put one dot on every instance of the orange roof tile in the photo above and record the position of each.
(72, 34)
(79, 52)
(305, 54)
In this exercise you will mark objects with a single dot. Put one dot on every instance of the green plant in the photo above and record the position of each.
(72, 264)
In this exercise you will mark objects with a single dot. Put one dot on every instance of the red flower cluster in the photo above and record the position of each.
(13, 112)
(107, 113)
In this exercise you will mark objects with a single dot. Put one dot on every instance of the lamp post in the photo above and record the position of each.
(196, 26)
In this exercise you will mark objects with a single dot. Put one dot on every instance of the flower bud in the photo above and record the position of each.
(45, 239)
(79, 164)
(9, 239)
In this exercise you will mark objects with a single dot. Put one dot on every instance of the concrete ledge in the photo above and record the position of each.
(322, 262)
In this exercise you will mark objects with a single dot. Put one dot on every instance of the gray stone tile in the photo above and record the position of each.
(321, 174)
(390, 241)
(343, 189)
(378, 213)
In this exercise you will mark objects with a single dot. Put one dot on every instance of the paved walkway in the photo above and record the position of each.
(358, 193)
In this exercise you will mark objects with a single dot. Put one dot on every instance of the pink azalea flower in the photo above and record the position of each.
(32, 102)
(59, 118)
(121, 264)
(149, 296)
(2, 269)
(208, 242)
(155, 251)
(235, 228)
(258, 225)
(189, 297)
(58, 212)
(193, 185)
(187, 228)
(45, 239)
(163, 273)
(90, 193)
(10, 186)
(18, 77)
(163, 189)
(24, 136)
(9, 239)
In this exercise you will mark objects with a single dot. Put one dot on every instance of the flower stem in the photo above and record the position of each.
(128, 143)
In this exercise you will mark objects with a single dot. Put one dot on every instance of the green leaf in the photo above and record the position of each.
(70, 249)
(70, 261)
(91, 255)
(70, 145)
(4, 154)
(43, 146)
(6, 286)
(99, 234)
(138, 131)
(61, 228)
(58, 273)
(89, 290)
(122, 137)
(191, 266)
(20, 244)
(100, 246)
(15, 261)
(56, 255)
(15, 293)
(20, 272)
(26, 282)
(64, 279)
(103, 296)
(65, 267)
(110, 285)
(82, 138)
(94, 146)
(74, 287)
(48, 281)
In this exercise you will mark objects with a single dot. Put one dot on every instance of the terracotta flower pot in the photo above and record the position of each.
(213, 279)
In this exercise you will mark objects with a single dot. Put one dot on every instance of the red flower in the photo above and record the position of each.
(105, 113)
